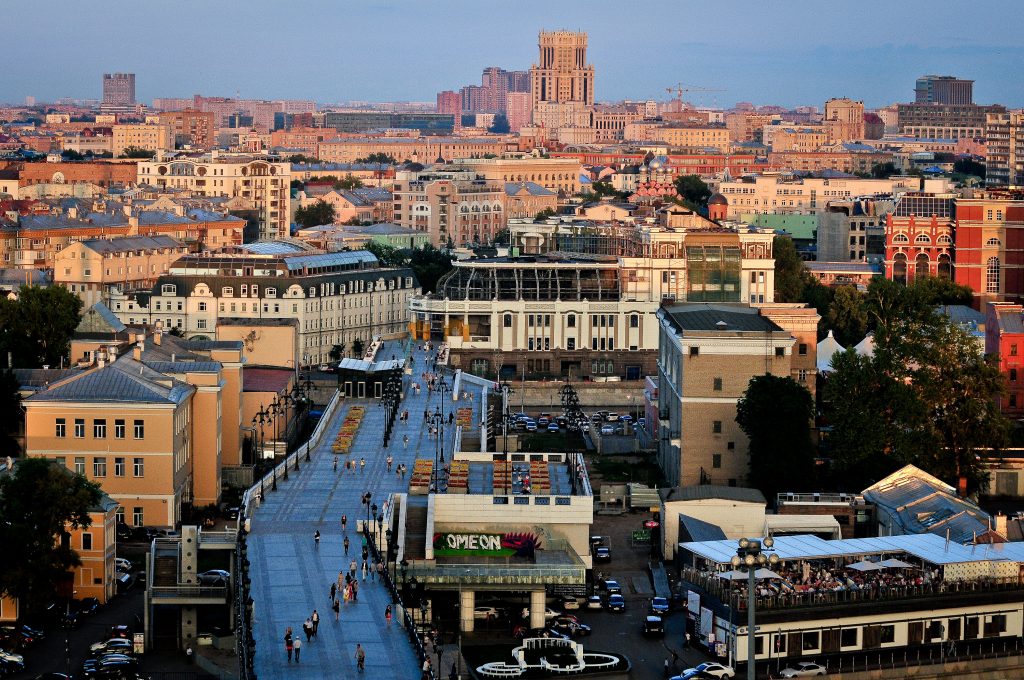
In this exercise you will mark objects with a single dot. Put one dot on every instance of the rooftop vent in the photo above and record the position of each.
(721, 324)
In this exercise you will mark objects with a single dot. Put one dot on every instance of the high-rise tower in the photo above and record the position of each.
(119, 89)
(562, 74)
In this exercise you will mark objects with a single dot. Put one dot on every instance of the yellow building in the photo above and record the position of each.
(701, 137)
(421, 150)
(151, 137)
(557, 174)
(844, 120)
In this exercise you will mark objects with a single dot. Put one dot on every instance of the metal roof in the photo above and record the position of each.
(124, 381)
(353, 257)
(719, 318)
(710, 491)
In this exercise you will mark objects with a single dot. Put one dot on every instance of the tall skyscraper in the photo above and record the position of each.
(561, 74)
(119, 89)
(943, 90)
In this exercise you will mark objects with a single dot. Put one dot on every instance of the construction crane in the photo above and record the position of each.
(680, 88)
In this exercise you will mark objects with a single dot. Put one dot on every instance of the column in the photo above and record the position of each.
(538, 602)
(467, 601)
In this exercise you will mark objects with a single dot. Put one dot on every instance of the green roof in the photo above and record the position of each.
(798, 226)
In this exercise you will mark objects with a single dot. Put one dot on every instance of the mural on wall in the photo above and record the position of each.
(483, 544)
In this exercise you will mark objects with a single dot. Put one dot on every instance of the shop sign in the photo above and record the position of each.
(498, 545)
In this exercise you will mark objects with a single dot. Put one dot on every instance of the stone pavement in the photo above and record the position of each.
(291, 577)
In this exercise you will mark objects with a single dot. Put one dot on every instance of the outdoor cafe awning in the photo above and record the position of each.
(737, 575)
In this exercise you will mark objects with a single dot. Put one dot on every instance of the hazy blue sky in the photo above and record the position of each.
(769, 51)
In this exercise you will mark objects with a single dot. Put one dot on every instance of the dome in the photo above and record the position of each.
(718, 199)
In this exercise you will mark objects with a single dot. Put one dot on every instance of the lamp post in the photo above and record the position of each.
(437, 420)
(373, 514)
(749, 556)
(443, 388)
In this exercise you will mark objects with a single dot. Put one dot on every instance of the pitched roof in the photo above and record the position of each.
(124, 381)
(826, 349)
(124, 244)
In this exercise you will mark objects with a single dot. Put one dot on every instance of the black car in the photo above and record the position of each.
(110, 666)
(87, 606)
(654, 626)
(20, 636)
(121, 631)
(571, 628)
(602, 554)
(52, 676)
(112, 646)
(9, 667)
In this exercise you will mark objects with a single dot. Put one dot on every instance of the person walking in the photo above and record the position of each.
(360, 658)
(316, 538)
(405, 441)
(426, 668)
(380, 571)
(344, 523)
(307, 628)
(387, 614)
(341, 578)
(352, 567)
(336, 606)
(391, 460)
(335, 463)
(344, 594)
(334, 590)
(355, 590)
(362, 465)
(345, 543)
(298, 650)
(365, 570)
(288, 644)
(316, 621)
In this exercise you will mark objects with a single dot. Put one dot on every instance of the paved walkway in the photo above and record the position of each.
(291, 577)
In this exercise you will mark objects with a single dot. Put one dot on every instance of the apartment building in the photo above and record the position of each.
(421, 150)
(337, 298)
(261, 185)
(919, 238)
(557, 174)
(451, 204)
(699, 137)
(707, 355)
(783, 194)
(791, 138)
(853, 230)
(92, 269)
(191, 128)
(144, 136)
(102, 174)
(988, 250)
(844, 120)
(1004, 139)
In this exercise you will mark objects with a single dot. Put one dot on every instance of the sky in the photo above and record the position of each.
(786, 52)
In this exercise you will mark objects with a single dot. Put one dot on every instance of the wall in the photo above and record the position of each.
(265, 345)
(737, 519)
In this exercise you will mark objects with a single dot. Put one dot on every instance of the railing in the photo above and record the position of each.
(818, 498)
(186, 590)
(225, 536)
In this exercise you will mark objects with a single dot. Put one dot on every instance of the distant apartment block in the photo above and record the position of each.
(943, 90)
(119, 89)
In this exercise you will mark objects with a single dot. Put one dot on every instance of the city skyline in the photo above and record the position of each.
(365, 62)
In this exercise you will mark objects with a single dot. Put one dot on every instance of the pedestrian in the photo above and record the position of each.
(288, 646)
(344, 594)
(362, 465)
(373, 571)
(345, 543)
(405, 444)
(365, 570)
(307, 628)
(360, 658)
(344, 522)
(298, 649)
(352, 568)
(355, 590)
(426, 415)
(335, 463)
(336, 606)
(316, 621)
(366, 552)
(387, 614)
(426, 668)
(316, 537)
(341, 579)
(391, 460)
(667, 671)
(334, 590)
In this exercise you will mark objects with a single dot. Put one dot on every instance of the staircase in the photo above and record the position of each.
(416, 532)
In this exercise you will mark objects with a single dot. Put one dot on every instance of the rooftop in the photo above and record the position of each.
(732, 318)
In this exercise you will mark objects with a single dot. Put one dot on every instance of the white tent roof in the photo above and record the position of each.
(866, 347)
(826, 348)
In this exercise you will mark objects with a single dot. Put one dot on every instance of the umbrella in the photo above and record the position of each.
(864, 565)
(738, 575)
(894, 563)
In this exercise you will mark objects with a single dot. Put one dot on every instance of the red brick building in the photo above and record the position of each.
(990, 245)
(1004, 337)
(919, 237)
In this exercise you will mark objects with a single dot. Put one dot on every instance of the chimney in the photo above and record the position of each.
(1000, 521)
(101, 358)
(140, 338)
(137, 353)
(73, 213)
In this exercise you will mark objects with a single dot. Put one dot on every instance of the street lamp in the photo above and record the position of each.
(749, 556)
(370, 518)
(437, 420)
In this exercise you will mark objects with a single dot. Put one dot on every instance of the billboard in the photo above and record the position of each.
(485, 544)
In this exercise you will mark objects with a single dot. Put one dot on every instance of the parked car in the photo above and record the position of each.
(804, 669)
(596, 418)
(641, 422)
(10, 667)
(602, 554)
(659, 606)
(612, 417)
(25, 635)
(612, 587)
(122, 564)
(654, 626)
(110, 666)
(550, 613)
(595, 602)
(573, 629)
(112, 646)
(616, 603)
(214, 577)
(486, 613)
(552, 427)
(531, 426)
(626, 418)
(561, 421)
(52, 676)
(543, 420)
(120, 631)
(568, 602)
(87, 606)
(596, 541)
(713, 669)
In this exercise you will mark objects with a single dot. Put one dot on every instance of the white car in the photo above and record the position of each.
(550, 613)
(595, 602)
(123, 565)
(804, 669)
(12, 657)
(718, 670)
(607, 429)
(486, 613)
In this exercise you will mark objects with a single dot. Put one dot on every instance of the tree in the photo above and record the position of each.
(604, 188)
(383, 158)
(315, 214)
(387, 255)
(775, 413)
(40, 503)
(500, 125)
(693, 190)
(298, 158)
(37, 327)
(969, 166)
(847, 315)
(883, 170)
(544, 214)
(429, 264)
(357, 348)
(502, 237)
(136, 152)
(10, 413)
(348, 182)
(337, 351)
(72, 155)
(789, 270)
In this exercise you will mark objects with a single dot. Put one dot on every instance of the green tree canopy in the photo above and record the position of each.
(337, 351)
(298, 158)
(544, 214)
(348, 182)
(789, 270)
(384, 158)
(315, 214)
(357, 348)
(500, 125)
(694, 191)
(39, 503)
(776, 414)
(37, 327)
(10, 413)
(428, 263)
(136, 152)
(847, 315)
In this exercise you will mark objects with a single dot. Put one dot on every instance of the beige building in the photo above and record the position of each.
(190, 127)
(146, 136)
(796, 138)
(1004, 134)
(767, 194)
(337, 298)
(450, 203)
(562, 73)
(702, 137)
(707, 355)
(92, 269)
(557, 174)
(844, 120)
(423, 150)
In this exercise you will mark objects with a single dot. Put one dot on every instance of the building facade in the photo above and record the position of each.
(919, 237)
(943, 90)
(1004, 140)
(191, 128)
(451, 204)
(844, 120)
(144, 136)
(119, 89)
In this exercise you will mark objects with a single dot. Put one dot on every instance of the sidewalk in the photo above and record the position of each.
(291, 577)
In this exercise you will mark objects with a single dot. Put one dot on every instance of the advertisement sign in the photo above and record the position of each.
(485, 544)
(707, 622)
(693, 604)
(139, 643)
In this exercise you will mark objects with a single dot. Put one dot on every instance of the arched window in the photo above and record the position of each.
(945, 270)
(944, 240)
(921, 266)
(900, 238)
(992, 275)
(992, 243)
(899, 268)
(922, 238)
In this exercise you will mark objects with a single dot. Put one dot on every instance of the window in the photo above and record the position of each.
(138, 518)
(119, 429)
(61, 461)
(992, 275)
(802, 375)
(780, 351)
(86, 541)
(529, 320)
(694, 351)
(79, 428)
(570, 321)
(119, 467)
(848, 637)
(996, 625)
(1013, 375)
(99, 428)
(593, 320)
(634, 321)
(888, 634)
(547, 320)
(802, 350)
(60, 428)
(227, 291)
(810, 641)
(202, 306)
(168, 289)
(716, 426)
(716, 460)
(139, 467)
(140, 429)
(99, 466)
(1013, 350)
(717, 385)
(570, 343)
(80, 465)
(507, 321)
